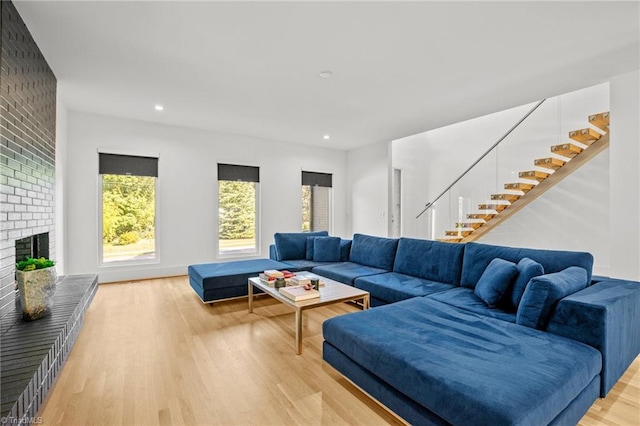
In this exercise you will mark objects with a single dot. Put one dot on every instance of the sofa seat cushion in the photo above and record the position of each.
(304, 265)
(346, 272)
(465, 298)
(394, 287)
(466, 368)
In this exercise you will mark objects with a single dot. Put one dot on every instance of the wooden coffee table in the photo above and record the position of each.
(332, 292)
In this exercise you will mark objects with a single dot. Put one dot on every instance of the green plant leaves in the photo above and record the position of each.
(29, 264)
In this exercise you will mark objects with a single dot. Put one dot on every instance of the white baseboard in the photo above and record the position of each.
(110, 275)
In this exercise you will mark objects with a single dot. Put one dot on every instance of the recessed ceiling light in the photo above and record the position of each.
(325, 74)
(159, 107)
(326, 137)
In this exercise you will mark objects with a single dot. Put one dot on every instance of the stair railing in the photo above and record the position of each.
(503, 137)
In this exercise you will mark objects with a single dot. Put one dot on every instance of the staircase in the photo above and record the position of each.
(565, 159)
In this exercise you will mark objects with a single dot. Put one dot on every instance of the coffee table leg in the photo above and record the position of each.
(365, 302)
(298, 331)
(250, 297)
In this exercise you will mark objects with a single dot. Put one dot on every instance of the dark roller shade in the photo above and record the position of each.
(115, 164)
(238, 173)
(317, 179)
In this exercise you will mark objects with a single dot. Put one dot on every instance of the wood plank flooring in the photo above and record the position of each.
(151, 353)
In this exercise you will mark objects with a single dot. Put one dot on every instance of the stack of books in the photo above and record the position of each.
(269, 276)
(303, 278)
(298, 293)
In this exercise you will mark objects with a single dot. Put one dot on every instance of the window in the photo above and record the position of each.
(316, 201)
(128, 188)
(238, 209)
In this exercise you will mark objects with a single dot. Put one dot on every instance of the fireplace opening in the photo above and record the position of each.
(34, 246)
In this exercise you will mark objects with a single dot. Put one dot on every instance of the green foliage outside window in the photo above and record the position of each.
(128, 209)
(237, 210)
(306, 208)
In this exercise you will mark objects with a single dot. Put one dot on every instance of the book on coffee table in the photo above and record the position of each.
(302, 278)
(298, 293)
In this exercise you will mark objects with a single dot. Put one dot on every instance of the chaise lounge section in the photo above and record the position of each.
(226, 280)
(457, 344)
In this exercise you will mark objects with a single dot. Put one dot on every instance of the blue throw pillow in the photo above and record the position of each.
(345, 249)
(293, 245)
(544, 292)
(527, 269)
(495, 281)
(310, 246)
(326, 249)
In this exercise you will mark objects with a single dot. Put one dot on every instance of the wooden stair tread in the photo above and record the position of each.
(533, 175)
(483, 216)
(566, 149)
(505, 197)
(586, 136)
(549, 163)
(450, 239)
(519, 186)
(474, 225)
(457, 233)
(496, 207)
(600, 120)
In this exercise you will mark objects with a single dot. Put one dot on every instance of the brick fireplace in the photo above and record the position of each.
(27, 146)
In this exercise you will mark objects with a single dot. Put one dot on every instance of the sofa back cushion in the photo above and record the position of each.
(310, 247)
(293, 245)
(544, 292)
(431, 260)
(376, 252)
(345, 250)
(326, 249)
(477, 257)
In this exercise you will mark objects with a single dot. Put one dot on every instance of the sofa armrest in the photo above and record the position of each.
(273, 252)
(605, 316)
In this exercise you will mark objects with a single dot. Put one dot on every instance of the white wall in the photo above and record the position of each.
(625, 176)
(61, 165)
(187, 189)
(574, 215)
(368, 180)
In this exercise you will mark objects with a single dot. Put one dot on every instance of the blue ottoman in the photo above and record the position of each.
(217, 281)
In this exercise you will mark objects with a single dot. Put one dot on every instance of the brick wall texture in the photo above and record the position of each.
(27, 145)
(320, 208)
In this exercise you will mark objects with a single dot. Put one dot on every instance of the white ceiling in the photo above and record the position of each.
(400, 68)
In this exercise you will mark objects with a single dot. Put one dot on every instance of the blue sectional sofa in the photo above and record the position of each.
(474, 334)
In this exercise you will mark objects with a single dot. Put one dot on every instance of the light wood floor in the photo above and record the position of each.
(151, 353)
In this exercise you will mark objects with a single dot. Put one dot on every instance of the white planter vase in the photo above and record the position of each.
(36, 289)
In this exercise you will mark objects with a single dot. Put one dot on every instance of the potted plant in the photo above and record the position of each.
(37, 281)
